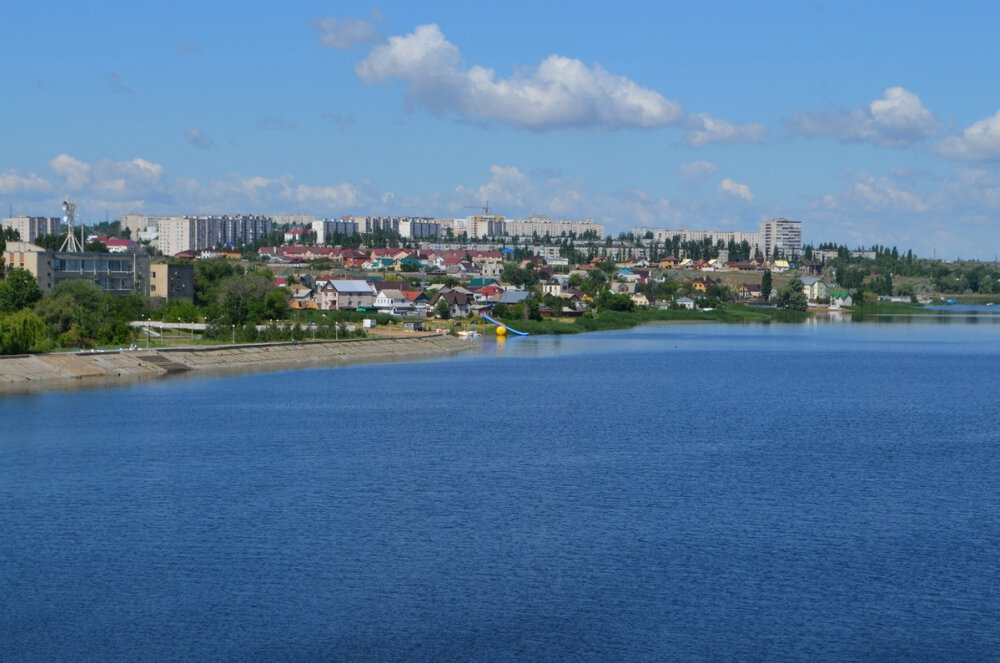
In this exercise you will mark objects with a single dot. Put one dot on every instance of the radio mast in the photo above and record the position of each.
(71, 244)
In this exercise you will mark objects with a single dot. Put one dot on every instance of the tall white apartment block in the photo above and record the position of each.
(783, 236)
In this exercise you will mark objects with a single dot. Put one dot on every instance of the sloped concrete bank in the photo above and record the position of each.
(20, 373)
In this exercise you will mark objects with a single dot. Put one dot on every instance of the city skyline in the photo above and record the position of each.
(870, 124)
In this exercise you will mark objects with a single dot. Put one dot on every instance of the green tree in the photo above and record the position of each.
(442, 309)
(18, 290)
(766, 283)
(8, 235)
(792, 296)
(20, 332)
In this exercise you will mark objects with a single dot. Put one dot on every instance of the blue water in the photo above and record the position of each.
(828, 491)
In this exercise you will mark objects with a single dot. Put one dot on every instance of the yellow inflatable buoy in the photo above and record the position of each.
(501, 331)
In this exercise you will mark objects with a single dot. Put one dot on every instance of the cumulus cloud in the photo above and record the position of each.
(703, 129)
(117, 86)
(76, 173)
(344, 33)
(114, 180)
(979, 142)
(898, 119)
(507, 186)
(198, 138)
(881, 193)
(697, 170)
(13, 182)
(732, 188)
(559, 92)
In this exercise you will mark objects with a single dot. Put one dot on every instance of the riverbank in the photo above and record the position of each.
(609, 320)
(43, 372)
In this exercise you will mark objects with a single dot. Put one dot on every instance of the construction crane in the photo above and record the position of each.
(485, 208)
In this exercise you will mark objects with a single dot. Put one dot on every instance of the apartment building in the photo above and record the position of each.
(30, 227)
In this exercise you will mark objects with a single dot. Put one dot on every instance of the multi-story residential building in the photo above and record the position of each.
(754, 240)
(325, 229)
(120, 274)
(782, 238)
(542, 226)
(293, 219)
(194, 233)
(172, 281)
(419, 228)
(30, 227)
(486, 225)
(145, 224)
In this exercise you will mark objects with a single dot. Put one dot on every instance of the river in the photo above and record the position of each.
(823, 491)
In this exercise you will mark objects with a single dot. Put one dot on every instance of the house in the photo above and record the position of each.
(459, 301)
(814, 288)
(511, 296)
(295, 235)
(624, 288)
(302, 298)
(640, 299)
(685, 302)
(118, 244)
(749, 291)
(393, 302)
(339, 295)
(554, 289)
(668, 263)
(841, 298)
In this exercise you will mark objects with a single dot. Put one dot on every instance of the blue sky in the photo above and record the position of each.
(869, 122)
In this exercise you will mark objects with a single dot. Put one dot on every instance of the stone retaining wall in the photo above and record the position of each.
(40, 372)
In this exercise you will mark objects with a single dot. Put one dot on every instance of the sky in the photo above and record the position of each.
(871, 123)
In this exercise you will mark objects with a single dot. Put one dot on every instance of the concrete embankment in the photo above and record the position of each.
(21, 373)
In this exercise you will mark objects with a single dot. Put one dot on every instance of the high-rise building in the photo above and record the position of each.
(782, 238)
(30, 227)
(193, 233)
(327, 228)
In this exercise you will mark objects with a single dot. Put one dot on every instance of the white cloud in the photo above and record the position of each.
(697, 170)
(507, 186)
(198, 138)
(979, 142)
(345, 33)
(732, 188)
(560, 92)
(13, 182)
(75, 172)
(341, 195)
(898, 119)
(703, 129)
(881, 193)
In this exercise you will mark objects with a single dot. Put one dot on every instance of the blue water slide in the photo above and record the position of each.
(500, 324)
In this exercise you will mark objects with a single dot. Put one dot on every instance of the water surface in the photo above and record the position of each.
(825, 491)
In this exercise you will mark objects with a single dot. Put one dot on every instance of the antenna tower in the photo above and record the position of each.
(71, 244)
